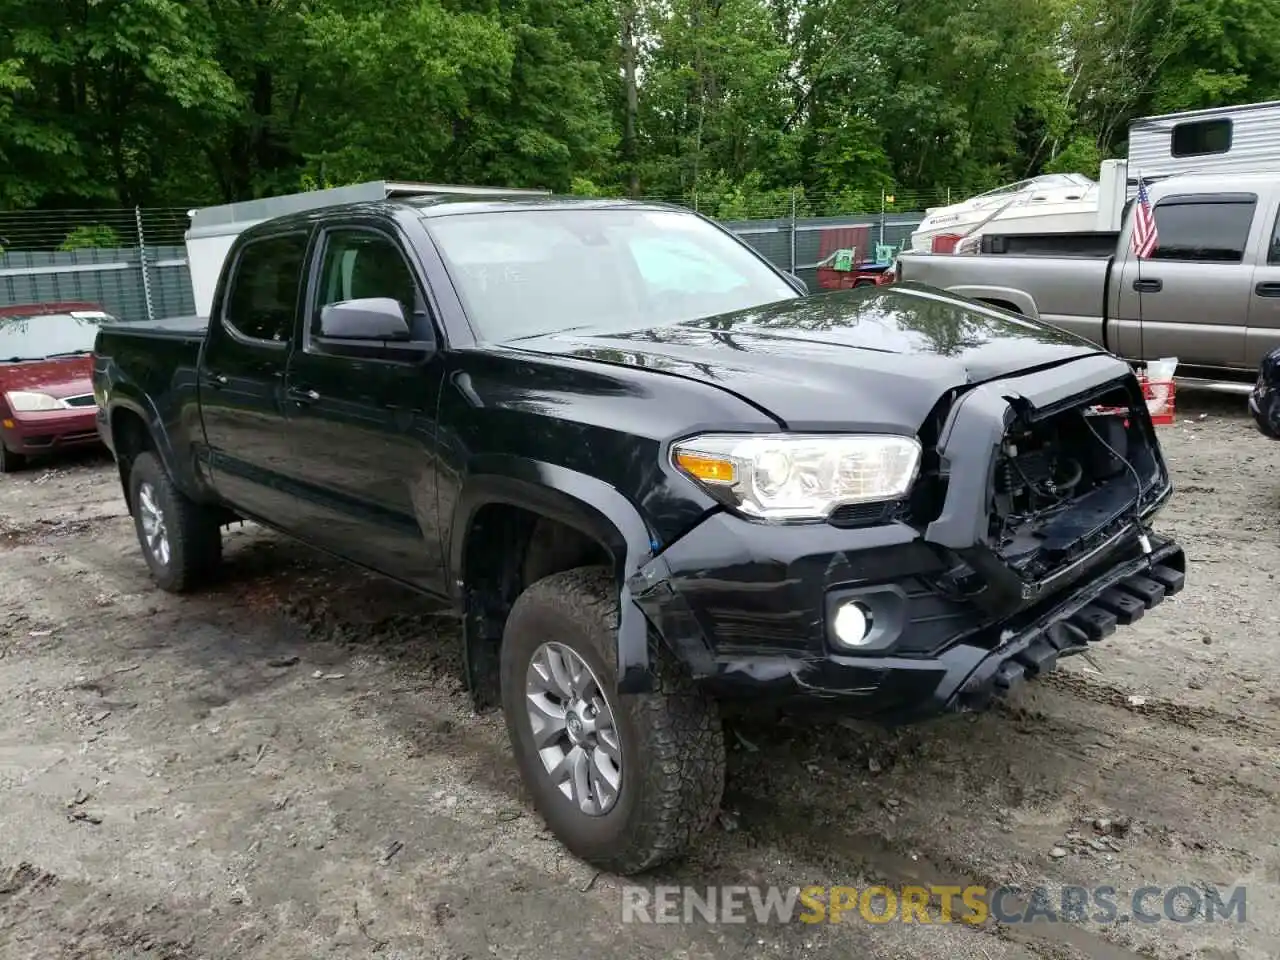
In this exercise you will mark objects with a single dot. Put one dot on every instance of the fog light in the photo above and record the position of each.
(852, 624)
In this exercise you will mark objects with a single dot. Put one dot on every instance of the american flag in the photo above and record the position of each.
(1145, 237)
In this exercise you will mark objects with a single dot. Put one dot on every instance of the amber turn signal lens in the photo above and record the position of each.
(707, 469)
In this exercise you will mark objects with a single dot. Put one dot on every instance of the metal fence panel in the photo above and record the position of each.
(774, 239)
(111, 279)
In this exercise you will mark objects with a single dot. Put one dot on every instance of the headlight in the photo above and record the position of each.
(22, 401)
(798, 477)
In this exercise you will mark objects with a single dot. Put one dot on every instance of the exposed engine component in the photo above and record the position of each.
(1035, 474)
(1061, 483)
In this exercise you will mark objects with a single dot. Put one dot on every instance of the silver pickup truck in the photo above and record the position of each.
(1209, 295)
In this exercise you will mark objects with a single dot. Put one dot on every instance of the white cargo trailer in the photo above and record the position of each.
(1240, 139)
(214, 228)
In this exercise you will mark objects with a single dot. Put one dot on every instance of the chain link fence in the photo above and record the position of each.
(133, 263)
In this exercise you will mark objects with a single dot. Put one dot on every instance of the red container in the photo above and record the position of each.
(1160, 399)
(1159, 395)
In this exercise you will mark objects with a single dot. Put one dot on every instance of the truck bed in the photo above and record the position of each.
(1068, 292)
(181, 328)
(152, 367)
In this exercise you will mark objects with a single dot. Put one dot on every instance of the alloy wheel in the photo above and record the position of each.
(154, 531)
(574, 729)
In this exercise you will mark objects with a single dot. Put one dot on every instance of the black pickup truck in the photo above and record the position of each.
(657, 478)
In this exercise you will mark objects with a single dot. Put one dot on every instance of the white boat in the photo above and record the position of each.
(1057, 202)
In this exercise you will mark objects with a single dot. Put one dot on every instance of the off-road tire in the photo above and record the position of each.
(672, 739)
(10, 461)
(195, 540)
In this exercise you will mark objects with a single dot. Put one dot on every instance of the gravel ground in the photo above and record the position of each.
(286, 766)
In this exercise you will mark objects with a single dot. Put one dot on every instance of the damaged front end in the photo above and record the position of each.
(1026, 537)
(1067, 482)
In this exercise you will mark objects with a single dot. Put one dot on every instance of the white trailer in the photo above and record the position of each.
(214, 228)
(1240, 139)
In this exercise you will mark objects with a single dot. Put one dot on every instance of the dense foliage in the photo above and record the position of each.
(154, 102)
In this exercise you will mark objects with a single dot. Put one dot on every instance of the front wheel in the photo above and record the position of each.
(625, 783)
(180, 538)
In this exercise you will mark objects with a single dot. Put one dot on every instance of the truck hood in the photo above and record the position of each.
(875, 359)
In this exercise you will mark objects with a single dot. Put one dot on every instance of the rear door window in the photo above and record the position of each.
(1273, 253)
(1209, 231)
(262, 301)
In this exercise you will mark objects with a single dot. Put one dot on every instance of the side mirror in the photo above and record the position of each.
(800, 285)
(371, 318)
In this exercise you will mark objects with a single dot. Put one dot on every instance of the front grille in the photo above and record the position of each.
(84, 400)
(864, 514)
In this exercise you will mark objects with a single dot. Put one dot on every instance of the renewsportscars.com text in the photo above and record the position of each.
(929, 904)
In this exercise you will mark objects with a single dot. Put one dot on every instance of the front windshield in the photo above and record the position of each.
(1047, 181)
(48, 335)
(525, 273)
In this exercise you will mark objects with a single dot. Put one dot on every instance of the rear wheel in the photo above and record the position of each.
(10, 461)
(180, 538)
(625, 783)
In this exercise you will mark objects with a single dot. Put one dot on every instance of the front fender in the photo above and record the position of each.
(584, 503)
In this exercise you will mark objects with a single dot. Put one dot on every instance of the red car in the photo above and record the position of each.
(46, 399)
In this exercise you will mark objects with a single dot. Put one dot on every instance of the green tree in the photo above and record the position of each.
(734, 103)
(103, 91)
(714, 99)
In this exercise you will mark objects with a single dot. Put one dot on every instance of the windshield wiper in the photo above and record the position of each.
(68, 353)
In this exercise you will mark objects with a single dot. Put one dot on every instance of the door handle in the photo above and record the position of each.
(1267, 289)
(216, 380)
(1148, 286)
(303, 397)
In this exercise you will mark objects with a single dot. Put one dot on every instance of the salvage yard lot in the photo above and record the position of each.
(286, 766)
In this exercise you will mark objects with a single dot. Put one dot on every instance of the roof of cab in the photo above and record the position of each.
(48, 307)
(1217, 183)
(440, 206)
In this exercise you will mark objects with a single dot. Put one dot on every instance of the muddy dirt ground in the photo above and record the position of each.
(286, 766)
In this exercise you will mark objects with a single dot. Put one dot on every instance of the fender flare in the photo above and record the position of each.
(1019, 298)
(136, 402)
(589, 505)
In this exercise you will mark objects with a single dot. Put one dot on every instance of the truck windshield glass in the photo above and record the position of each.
(521, 274)
(48, 335)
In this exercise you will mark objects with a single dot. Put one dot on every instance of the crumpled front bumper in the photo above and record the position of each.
(755, 629)
(748, 607)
